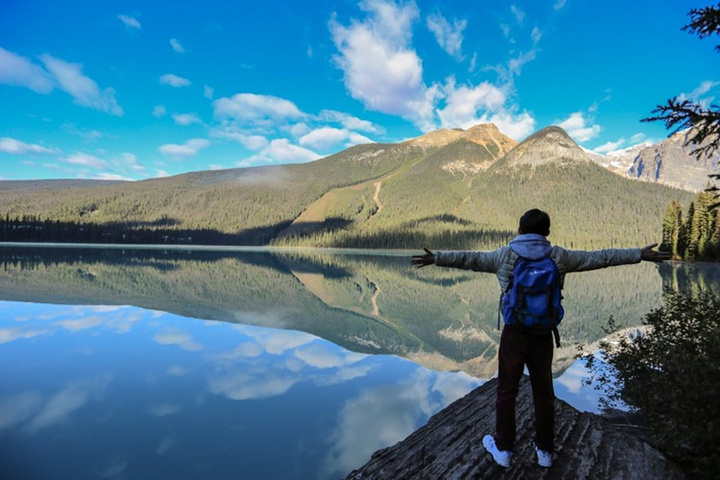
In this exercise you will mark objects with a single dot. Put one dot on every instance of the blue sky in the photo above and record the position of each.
(135, 89)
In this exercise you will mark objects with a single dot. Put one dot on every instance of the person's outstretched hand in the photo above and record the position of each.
(422, 260)
(650, 255)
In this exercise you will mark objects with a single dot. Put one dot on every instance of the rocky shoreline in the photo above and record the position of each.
(449, 446)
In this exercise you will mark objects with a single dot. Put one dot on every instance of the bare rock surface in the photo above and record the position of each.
(551, 145)
(671, 162)
(449, 446)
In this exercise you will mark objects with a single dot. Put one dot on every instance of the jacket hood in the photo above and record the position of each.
(531, 246)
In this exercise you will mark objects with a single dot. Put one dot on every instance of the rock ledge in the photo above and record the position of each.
(449, 446)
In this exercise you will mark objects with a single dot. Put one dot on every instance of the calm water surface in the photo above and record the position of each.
(257, 364)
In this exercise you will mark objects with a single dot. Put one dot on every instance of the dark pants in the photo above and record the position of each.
(518, 348)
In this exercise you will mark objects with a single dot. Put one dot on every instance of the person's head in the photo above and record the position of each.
(535, 221)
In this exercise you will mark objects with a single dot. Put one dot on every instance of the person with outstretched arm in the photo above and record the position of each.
(521, 346)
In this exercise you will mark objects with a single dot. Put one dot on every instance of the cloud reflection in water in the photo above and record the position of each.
(286, 403)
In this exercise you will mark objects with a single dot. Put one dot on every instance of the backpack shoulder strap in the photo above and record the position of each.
(510, 263)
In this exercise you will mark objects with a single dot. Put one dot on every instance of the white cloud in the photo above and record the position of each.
(22, 72)
(85, 160)
(380, 67)
(251, 142)
(384, 72)
(251, 385)
(579, 127)
(327, 137)
(76, 325)
(174, 80)
(319, 355)
(263, 123)
(637, 138)
(164, 409)
(176, 337)
(297, 130)
(348, 121)
(59, 406)
(518, 13)
(384, 415)
(11, 334)
(449, 37)
(463, 104)
(16, 147)
(252, 108)
(281, 150)
(208, 92)
(702, 95)
(185, 118)
(176, 45)
(115, 468)
(185, 150)
(515, 64)
(505, 29)
(166, 444)
(130, 22)
(323, 138)
(111, 176)
(608, 147)
(466, 106)
(535, 35)
(517, 126)
(559, 4)
(279, 341)
(357, 139)
(177, 371)
(83, 89)
(88, 135)
(159, 111)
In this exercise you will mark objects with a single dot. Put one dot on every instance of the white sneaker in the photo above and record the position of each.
(501, 457)
(544, 458)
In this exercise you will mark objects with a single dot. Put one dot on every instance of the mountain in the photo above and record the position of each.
(671, 162)
(590, 207)
(550, 146)
(618, 161)
(485, 134)
(445, 189)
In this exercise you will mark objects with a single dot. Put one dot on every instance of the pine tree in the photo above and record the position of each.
(704, 223)
(672, 223)
(714, 243)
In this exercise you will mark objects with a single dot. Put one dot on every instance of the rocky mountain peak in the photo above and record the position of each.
(671, 162)
(551, 145)
(485, 134)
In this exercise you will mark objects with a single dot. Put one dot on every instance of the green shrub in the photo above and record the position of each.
(670, 374)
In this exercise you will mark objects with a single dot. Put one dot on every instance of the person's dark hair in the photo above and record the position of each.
(535, 221)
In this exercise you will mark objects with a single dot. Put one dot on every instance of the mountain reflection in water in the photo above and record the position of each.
(111, 378)
(369, 302)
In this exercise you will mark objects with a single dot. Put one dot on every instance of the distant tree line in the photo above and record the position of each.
(31, 228)
(693, 235)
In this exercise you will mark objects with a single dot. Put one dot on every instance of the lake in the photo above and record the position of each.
(255, 363)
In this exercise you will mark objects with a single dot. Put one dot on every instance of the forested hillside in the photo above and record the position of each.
(447, 189)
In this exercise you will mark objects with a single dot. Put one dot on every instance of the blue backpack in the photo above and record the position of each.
(532, 300)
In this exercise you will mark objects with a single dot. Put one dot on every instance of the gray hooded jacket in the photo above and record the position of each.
(534, 246)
